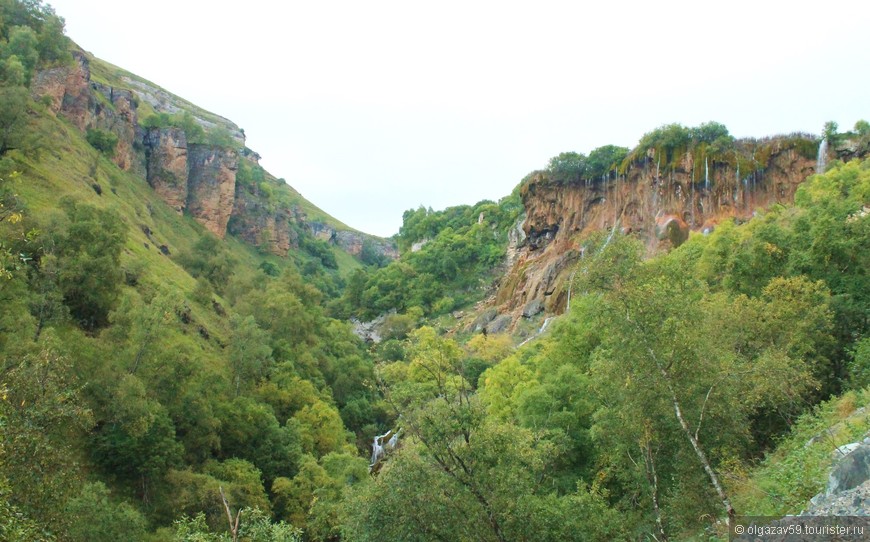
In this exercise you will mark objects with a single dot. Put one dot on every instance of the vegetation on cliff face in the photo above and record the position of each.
(155, 379)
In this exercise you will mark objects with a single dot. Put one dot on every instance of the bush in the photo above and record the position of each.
(103, 141)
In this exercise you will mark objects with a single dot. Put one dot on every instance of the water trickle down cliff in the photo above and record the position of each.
(656, 203)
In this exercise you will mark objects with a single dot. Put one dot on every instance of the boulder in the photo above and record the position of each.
(533, 307)
(672, 228)
(851, 471)
(499, 324)
(481, 321)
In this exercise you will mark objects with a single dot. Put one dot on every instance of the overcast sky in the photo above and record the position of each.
(369, 108)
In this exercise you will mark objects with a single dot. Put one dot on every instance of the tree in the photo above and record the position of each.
(829, 132)
(604, 160)
(673, 348)
(567, 167)
(89, 251)
(250, 431)
(97, 518)
(43, 417)
(461, 474)
(22, 45)
(192, 493)
(249, 354)
(14, 133)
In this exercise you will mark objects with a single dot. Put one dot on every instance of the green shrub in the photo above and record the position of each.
(102, 140)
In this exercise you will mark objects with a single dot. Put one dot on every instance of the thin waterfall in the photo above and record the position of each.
(706, 174)
(822, 159)
(570, 286)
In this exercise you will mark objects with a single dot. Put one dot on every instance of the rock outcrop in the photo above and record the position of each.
(119, 116)
(351, 241)
(658, 205)
(848, 487)
(211, 185)
(166, 165)
(257, 222)
(67, 90)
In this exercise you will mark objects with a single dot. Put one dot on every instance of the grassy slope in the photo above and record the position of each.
(797, 469)
(109, 74)
(70, 167)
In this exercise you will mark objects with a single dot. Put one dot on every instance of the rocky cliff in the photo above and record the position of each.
(166, 165)
(352, 242)
(194, 179)
(211, 185)
(68, 90)
(259, 223)
(660, 205)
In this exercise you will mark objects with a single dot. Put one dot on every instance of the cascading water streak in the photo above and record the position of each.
(822, 159)
(706, 174)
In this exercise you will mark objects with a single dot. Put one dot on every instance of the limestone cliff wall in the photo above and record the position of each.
(70, 92)
(67, 89)
(259, 223)
(118, 115)
(660, 205)
(166, 165)
(199, 180)
(211, 185)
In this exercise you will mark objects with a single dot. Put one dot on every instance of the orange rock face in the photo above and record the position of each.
(671, 228)
(67, 89)
(659, 206)
(211, 186)
(166, 165)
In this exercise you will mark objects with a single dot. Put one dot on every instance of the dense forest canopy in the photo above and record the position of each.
(216, 392)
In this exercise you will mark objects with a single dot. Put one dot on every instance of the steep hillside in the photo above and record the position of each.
(195, 161)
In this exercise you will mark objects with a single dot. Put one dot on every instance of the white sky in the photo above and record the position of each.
(369, 108)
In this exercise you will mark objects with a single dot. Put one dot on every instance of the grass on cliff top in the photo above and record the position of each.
(109, 74)
(287, 196)
(785, 481)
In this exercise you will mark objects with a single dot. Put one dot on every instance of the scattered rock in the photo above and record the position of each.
(481, 321)
(532, 308)
(184, 314)
(369, 331)
(97, 188)
(164, 249)
(848, 490)
(499, 324)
